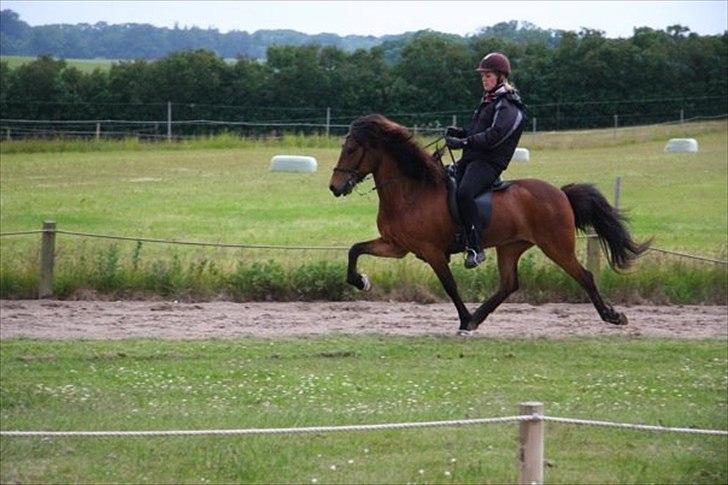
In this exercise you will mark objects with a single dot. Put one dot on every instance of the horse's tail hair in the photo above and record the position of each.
(592, 209)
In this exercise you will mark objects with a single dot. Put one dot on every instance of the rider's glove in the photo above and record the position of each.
(456, 131)
(455, 143)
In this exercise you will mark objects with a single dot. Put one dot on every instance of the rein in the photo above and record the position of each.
(439, 150)
(357, 178)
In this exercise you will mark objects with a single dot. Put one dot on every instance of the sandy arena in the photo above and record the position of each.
(48, 319)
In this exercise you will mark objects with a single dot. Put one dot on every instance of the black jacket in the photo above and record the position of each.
(495, 131)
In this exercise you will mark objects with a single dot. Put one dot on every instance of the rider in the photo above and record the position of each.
(488, 145)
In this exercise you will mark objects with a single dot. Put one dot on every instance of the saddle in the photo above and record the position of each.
(482, 201)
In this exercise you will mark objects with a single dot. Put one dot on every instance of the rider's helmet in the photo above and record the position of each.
(495, 61)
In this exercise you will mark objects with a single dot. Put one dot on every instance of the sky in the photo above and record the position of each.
(616, 18)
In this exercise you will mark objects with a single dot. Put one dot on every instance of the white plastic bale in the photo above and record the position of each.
(521, 155)
(682, 145)
(293, 163)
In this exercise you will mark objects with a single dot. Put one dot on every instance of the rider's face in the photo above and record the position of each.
(489, 79)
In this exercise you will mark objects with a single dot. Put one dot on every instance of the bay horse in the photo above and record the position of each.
(414, 217)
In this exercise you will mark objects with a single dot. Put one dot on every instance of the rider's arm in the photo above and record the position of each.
(506, 120)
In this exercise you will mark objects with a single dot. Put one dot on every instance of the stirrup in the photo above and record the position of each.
(473, 258)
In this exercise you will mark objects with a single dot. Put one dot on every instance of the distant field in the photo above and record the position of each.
(85, 65)
(229, 194)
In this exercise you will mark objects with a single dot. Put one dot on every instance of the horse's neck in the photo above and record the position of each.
(397, 191)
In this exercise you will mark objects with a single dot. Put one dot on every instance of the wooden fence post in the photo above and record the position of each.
(593, 254)
(47, 259)
(530, 449)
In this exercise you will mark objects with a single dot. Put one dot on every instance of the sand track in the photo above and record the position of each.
(49, 319)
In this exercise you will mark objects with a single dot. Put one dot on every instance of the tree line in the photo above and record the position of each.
(145, 41)
(581, 81)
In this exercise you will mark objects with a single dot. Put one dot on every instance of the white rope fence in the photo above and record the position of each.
(531, 433)
(363, 427)
(259, 431)
(279, 247)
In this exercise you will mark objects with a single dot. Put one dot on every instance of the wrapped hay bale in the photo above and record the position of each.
(293, 163)
(682, 145)
(521, 155)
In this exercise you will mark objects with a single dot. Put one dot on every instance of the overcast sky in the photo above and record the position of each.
(616, 18)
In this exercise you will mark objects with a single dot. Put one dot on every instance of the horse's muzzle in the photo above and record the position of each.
(345, 190)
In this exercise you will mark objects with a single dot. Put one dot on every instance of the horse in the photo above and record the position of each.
(414, 217)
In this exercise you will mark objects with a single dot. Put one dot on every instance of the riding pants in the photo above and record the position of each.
(473, 181)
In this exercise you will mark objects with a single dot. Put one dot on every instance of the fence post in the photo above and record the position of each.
(682, 116)
(454, 120)
(530, 448)
(169, 121)
(617, 191)
(328, 121)
(534, 125)
(593, 254)
(98, 131)
(47, 259)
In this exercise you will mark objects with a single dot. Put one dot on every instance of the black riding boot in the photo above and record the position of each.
(474, 254)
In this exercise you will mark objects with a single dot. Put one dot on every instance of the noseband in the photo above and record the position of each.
(356, 177)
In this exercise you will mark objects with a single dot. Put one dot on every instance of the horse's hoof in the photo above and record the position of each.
(366, 285)
(464, 333)
(617, 319)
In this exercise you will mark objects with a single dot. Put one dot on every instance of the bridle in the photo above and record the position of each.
(356, 177)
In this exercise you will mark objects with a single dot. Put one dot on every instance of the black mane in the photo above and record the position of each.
(378, 132)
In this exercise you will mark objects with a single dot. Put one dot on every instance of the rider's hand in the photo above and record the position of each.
(455, 143)
(456, 131)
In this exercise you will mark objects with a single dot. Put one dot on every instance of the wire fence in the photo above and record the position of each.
(189, 120)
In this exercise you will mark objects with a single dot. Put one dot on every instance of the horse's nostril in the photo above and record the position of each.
(334, 191)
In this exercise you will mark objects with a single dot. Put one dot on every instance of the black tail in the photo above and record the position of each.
(592, 209)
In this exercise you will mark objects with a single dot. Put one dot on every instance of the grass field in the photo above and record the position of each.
(220, 190)
(92, 385)
(84, 65)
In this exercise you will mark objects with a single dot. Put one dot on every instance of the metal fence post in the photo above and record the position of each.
(530, 448)
(47, 259)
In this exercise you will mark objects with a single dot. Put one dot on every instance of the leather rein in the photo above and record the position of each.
(357, 177)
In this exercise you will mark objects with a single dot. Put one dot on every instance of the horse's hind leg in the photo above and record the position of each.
(508, 270)
(568, 261)
(438, 262)
(376, 247)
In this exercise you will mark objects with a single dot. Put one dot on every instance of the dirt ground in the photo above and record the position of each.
(48, 319)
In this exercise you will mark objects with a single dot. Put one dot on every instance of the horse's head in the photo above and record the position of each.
(354, 164)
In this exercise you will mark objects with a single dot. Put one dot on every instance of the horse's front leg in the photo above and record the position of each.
(438, 262)
(376, 247)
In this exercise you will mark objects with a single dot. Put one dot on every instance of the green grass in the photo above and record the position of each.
(220, 190)
(151, 384)
(85, 65)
